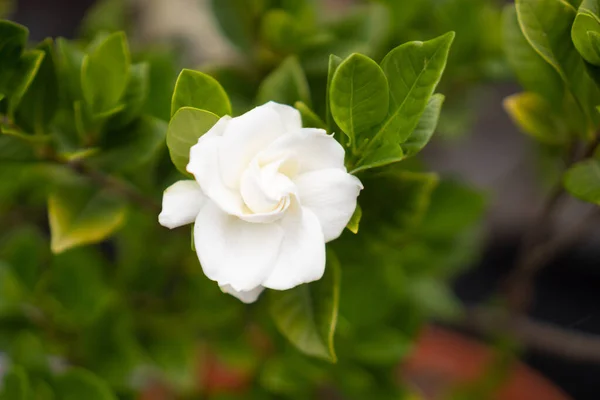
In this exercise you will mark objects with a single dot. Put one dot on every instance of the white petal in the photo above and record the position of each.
(290, 117)
(331, 194)
(235, 252)
(204, 165)
(181, 204)
(308, 149)
(244, 137)
(249, 296)
(302, 255)
(218, 129)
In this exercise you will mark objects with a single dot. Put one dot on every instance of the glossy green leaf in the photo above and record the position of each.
(583, 181)
(16, 385)
(77, 384)
(359, 97)
(131, 146)
(413, 71)
(535, 117)
(286, 84)
(40, 102)
(531, 70)
(13, 38)
(135, 95)
(585, 24)
(307, 314)
(309, 118)
(198, 90)
(185, 128)
(105, 72)
(426, 126)
(80, 213)
(334, 63)
(546, 24)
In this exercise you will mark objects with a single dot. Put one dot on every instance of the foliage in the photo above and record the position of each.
(98, 301)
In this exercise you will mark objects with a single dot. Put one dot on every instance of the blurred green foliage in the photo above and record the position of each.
(98, 301)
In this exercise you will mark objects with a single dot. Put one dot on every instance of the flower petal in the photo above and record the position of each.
(181, 204)
(331, 194)
(302, 254)
(244, 137)
(290, 117)
(248, 296)
(204, 165)
(235, 252)
(308, 149)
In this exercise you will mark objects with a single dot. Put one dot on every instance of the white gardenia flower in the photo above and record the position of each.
(267, 196)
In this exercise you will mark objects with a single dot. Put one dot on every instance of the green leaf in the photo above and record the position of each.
(80, 213)
(309, 118)
(334, 63)
(426, 126)
(15, 83)
(382, 347)
(355, 220)
(585, 25)
(532, 72)
(286, 84)
(546, 24)
(13, 38)
(104, 16)
(535, 117)
(13, 149)
(198, 90)
(237, 19)
(359, 97)
(413, 71)
(40, 102)
(131, 146)
(79, 384)
(135, 95)
(185, 128)
(105, 72)
(16, 385)
(583, 181)
(25, 250)
(435, 297)
(70, 61)
(307, 314)
(282, 32)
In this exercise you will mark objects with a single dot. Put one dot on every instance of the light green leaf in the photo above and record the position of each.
(334, 63)
(80, 213)
(584, 25)
(583, 181)
(78, 384)
(413, 71)
(16, 385)
(426, 126)
(105, 72)
(135, 96)
(131, 146)
(535, 117)
(198, 90)
(359, 97)
(307, 314)
(355, 220)
(309, 118)
(286, 84)
(70, 59)
(40, 102)
(531, 70)
(185, 128)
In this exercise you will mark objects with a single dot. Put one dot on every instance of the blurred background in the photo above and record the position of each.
(475, 143)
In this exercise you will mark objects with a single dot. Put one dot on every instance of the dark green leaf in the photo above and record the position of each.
(13, 149)
(135, 96)
(382, 347)
(78, 384)
(307, 314)
(359, 97)
(105, 72)
(334, 63)
(583, 181)
(198, 90)
(16, 385)
(185, 128)
(15, 82)
(426, 126)
(286, 84)
(13, 38)
(237, 19)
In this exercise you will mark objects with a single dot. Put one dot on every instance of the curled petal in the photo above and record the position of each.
(290, 117)
(235, 252)
(331, 194)
(181, 204)
(249, 296)
(301, 257)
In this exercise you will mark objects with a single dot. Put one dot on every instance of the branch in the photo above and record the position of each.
(536, 335)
